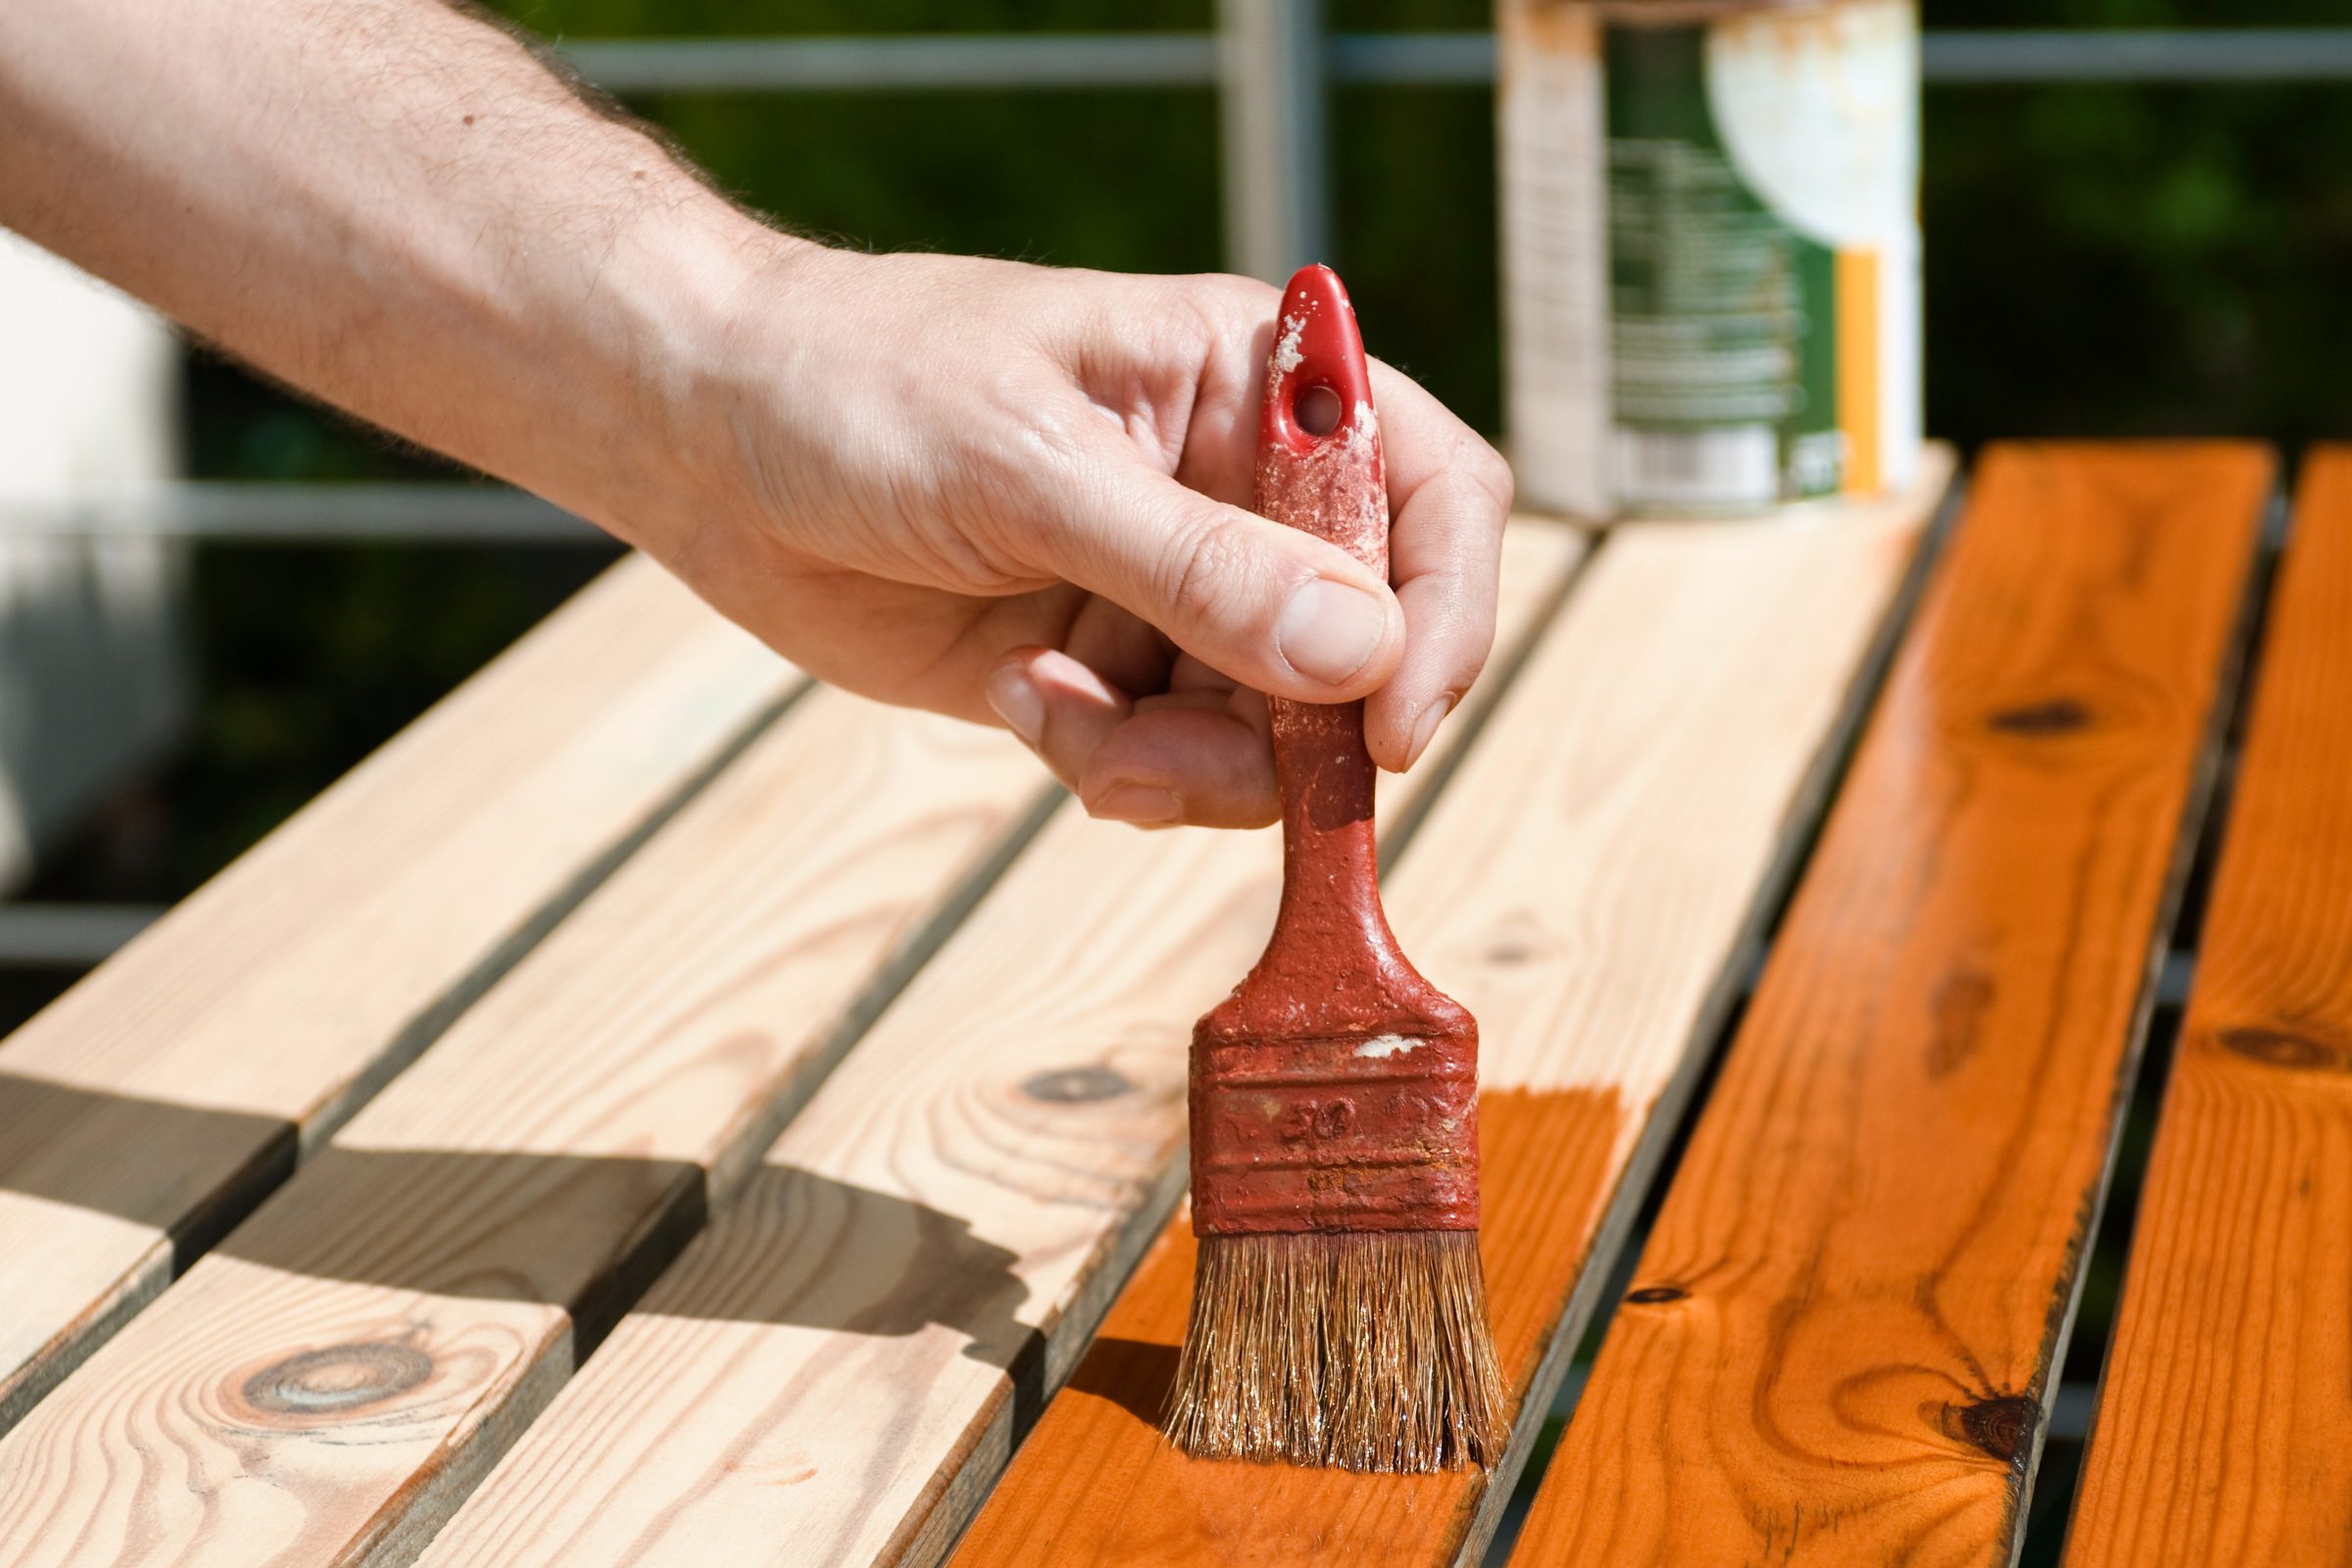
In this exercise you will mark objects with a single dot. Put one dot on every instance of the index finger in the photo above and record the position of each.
(1448, 494)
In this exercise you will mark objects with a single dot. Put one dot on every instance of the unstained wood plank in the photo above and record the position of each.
(159, 1099)
(1590, 887)
(837, 1368)
(2223, 1433)
(1836, 1344)
(326, 1381)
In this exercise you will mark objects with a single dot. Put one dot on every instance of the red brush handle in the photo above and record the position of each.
(1329, 483)
(1335, 1089)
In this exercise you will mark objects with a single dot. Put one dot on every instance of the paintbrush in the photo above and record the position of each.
(1339, 1306)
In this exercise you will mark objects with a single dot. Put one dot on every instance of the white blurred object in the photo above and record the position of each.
(93, 681)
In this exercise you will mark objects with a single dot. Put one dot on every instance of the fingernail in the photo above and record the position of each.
(1017, 700)
(1329, 631)
(1425, 728)
(1140, 803)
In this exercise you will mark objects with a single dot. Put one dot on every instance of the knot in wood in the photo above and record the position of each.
(2060, 716)
(1517, 939)
(1076, 1086)
(2002, 1426)
(2287, 1047)
(1957, 1012)
(336, 1379)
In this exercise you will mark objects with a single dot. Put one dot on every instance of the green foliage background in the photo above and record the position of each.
(2101, 259)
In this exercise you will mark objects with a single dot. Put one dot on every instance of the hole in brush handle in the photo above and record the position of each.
(1317, 409)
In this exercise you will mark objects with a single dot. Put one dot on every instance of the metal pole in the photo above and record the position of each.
(1277, 185)
(282, 510)
(69, 935)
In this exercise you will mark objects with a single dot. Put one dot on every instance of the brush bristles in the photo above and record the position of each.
(1365, 1350)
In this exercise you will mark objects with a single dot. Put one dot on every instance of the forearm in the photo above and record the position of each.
(395, 206)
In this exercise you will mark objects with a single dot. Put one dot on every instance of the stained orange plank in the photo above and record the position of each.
(1103, 1489)
(2224, 1427)
(1838, 1339)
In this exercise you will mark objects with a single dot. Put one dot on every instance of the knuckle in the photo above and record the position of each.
(1250, 294)
(1049, 449)
(1220, 305)
(1487, 470)
(1471, 661)
(1047, 467)
(1202, 567)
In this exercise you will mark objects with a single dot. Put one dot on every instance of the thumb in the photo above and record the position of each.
(1267, 605)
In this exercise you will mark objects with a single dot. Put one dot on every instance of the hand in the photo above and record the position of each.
(1017, 493)
(988, 489)
(995, 490)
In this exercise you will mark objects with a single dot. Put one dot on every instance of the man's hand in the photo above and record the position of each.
(978, 487)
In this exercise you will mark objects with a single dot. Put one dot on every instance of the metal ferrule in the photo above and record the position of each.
(1353, 1134)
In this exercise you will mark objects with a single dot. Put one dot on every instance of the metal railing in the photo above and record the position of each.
(287, 511)
(69, 935)
(1032, 61)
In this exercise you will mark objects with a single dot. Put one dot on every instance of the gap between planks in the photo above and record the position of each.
(838, 1367)
(1839, 1337)
(1607, 1261)
(148, 1108)
(2222, 1430)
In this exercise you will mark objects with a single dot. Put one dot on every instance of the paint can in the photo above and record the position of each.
(1710, 256)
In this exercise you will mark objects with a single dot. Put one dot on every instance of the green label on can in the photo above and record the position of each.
(1723, 316)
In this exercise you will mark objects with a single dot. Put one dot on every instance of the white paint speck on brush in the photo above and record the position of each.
(1286, 352)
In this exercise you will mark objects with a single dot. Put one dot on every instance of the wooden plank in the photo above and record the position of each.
(1589, 886)
(284, 993)
(2224, 1431)
(838, 1367)
(343, 1366)
(1840, 1333)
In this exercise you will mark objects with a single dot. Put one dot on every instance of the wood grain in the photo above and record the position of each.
(324, 1384)
(2224, 1432)
(1840, 1333)
(286, 990)
(1590, 886)
(836, 1370)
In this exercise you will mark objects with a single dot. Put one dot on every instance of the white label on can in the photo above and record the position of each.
(1555, 268)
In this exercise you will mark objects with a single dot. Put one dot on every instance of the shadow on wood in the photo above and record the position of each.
(1135, 1375)
(189, 1171)
(495, 1224)
(1095, 1484)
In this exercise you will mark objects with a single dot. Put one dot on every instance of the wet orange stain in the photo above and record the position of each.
(1096, 1484)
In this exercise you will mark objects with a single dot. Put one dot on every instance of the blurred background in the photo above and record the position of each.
(2137, 221)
